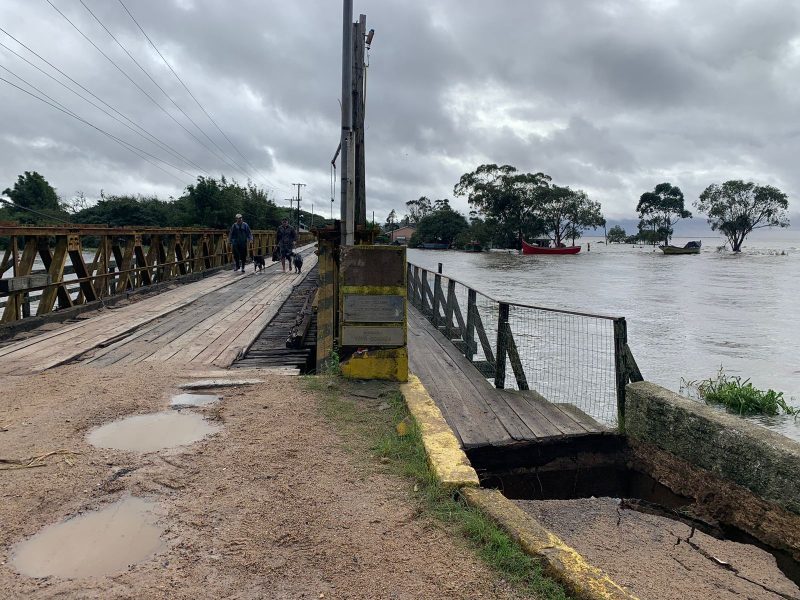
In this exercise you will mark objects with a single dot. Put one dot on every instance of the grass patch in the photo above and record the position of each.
(372, 433)
(741, 397)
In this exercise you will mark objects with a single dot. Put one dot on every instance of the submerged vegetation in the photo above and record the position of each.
(740, 396)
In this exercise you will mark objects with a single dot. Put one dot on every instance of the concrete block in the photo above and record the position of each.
(765, 462)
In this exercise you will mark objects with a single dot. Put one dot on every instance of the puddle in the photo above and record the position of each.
(180, 400)
(151, 432)
(100, 542)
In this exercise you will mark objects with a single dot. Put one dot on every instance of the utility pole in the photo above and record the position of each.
(299, 185)
(347, 214)
(359, 87)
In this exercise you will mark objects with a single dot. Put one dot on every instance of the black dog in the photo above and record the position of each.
(258, 262)
(298, 262)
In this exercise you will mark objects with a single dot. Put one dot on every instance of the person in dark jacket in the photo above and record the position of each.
(238, 237)
(286, 237)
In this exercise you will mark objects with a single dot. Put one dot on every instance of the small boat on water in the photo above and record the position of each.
(689, 248)
(434, 246)
(532, 249)
(473, 246)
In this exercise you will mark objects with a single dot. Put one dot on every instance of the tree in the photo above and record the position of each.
(391, 221)
(661, 209)
(32, 191)
(736, 208)
(419, 209)
(442, 226)
(507, 198)
(566, 213)
(616, 235)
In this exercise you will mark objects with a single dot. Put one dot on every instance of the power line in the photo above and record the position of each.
(129, 78)
(72, 113)
(36, 212)
(210, 118)
(175, 104)
(103, 110)
(155, 139)
(123, 143)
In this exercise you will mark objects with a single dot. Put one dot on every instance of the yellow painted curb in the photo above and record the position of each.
(560, 561)
(448, 461)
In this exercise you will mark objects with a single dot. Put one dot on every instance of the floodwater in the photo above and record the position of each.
(152, 432)
(180, 400)
(100, 542)
(687, 316)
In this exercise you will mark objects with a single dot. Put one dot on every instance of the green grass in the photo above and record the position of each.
(371, 434)
(741, 397)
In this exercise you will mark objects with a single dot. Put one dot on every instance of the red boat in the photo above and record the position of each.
(531, 249)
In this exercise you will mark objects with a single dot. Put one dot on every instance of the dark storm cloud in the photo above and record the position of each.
(611, 96)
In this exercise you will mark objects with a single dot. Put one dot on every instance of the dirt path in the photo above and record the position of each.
(271, 507)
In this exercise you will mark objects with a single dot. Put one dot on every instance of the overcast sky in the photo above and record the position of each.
(611, 97)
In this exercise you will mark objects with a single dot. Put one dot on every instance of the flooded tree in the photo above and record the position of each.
(736, 208)
(507, 198)
(441, 226)
(660, 210)
(567, 213)
(616, 235)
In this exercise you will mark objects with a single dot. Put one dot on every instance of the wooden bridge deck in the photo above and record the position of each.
(480, 414)
(210, 322)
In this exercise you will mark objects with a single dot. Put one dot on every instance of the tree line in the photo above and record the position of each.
(509, 206)
(734, 208)
(209, 203)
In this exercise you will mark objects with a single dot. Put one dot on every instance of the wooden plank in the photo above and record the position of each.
(66, 343)
(471, 415)
(24, 283)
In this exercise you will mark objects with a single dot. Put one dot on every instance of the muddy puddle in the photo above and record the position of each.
(152, 432)
(180, 400)
(100, 542)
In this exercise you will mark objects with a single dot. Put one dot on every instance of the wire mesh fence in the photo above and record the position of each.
(581, 359)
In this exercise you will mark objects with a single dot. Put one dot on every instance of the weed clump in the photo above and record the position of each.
(741, 397)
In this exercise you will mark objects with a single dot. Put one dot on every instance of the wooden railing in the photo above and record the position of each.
(124, 259)
(570, 357)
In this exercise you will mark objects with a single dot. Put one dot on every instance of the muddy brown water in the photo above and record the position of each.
(193, 400)
(100, 542)
(152, 432)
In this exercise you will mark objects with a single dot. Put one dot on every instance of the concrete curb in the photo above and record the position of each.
(453, 470)
(560, 561)
(448, 461)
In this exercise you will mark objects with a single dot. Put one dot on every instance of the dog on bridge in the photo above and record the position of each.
(297, 261)
(258, 262)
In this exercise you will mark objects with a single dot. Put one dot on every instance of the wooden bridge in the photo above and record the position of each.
(212, 321)
(564, 366)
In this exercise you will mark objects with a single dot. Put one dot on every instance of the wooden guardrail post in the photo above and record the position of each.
(469, 334)
(620, 368)
(437, 294)
(500, 356)
(417, 288)
(425, 288)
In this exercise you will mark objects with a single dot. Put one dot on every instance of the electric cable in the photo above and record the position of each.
(103, 110)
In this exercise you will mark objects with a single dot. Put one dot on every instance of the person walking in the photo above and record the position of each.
(286, 236)
(239, 236)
